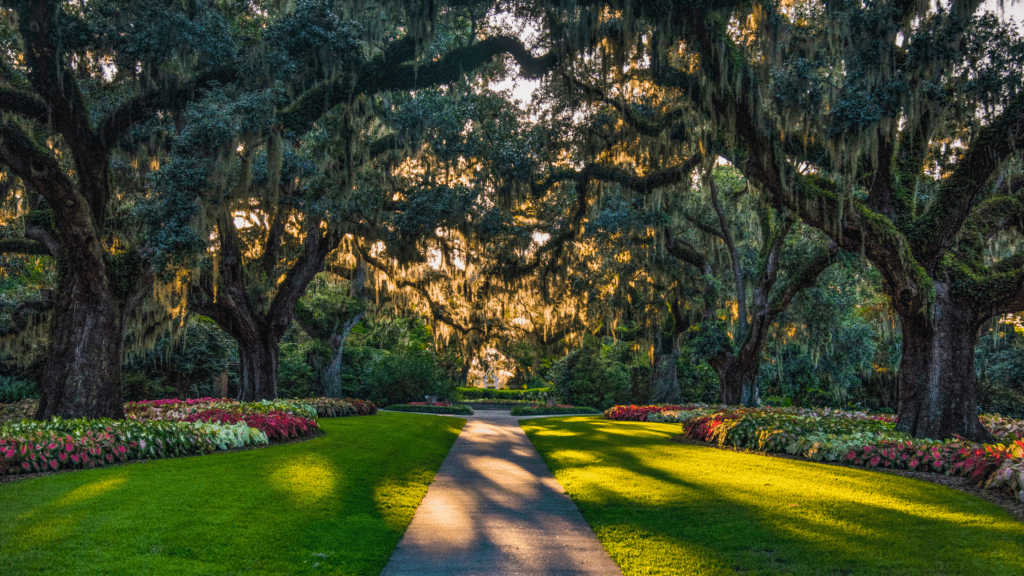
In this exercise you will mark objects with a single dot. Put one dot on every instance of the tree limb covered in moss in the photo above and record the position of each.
(23, 247)
(390, 72)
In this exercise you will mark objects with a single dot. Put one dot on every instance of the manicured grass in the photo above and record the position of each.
(661, 507)
(334, 505)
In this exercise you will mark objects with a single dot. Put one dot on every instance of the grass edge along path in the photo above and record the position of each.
(336, 504)
(661, 507)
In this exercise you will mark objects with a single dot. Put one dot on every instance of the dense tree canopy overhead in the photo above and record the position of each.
(242, 146)
(888, 125)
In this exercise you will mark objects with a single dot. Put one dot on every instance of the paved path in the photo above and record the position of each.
(495, 508)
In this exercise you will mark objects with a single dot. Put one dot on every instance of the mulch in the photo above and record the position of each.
(1001, 499)
(18, 477)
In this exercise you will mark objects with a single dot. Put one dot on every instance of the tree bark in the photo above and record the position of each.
(738, 378)
(664, 373)
(332, 377)
(938, 386)
(82, 374)
(257, 366)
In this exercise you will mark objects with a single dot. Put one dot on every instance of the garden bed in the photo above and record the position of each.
(159, 429)
(424, 408)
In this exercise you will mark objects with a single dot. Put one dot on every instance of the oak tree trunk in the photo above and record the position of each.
(938, 386)
(737, 377)
(82, 374)
(257, 366)
(332, 377)
(664, 373)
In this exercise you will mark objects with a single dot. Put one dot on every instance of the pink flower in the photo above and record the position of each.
(25, 465)
(110, 457)
(9, 454)
(62, 457)
(51, 446)
(68, 447)
(874, 461)
(122, 449)
(53, 464)
(74, 458)
(914, 463)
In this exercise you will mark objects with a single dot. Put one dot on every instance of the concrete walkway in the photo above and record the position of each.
(495, 508)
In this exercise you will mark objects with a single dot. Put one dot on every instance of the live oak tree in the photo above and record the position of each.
(82, 91)
(887, 125)
(273, 178)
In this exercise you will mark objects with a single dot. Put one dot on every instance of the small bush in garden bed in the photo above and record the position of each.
(431, 409)
(537, 410)
(470, 394)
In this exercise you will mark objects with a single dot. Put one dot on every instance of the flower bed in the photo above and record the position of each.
(431, 408)
(867, 440)
(538, 410)
(335, 407)
(61, 444)
(276, 425)
(153, 429)
(642, 413)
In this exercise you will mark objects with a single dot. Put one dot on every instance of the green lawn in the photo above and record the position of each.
(334, 505)
(661, 507)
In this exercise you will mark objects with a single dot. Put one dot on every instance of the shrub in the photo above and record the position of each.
(537, 410)
(500, 394)
(407, 375)
(588, 377)
(431, 409)
(15, 389)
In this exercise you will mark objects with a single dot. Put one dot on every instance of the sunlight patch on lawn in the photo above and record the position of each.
(90, 490)
(309, 480)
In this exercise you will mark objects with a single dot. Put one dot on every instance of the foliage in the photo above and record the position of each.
(431, 409)
(14, 389)
(18, 411)
(276, 425)
(190, 365)
(642, 413)
(335, 407)
(538, 410)
(407, 374)
(588, 377)
(503, 394)
(60, 444)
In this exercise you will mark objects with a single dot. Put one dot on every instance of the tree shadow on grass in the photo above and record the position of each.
(654, 503)
(288, 509)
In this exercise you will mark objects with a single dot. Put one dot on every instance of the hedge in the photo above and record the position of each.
(466, 410)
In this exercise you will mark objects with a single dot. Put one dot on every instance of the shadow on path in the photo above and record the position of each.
(495, 508)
